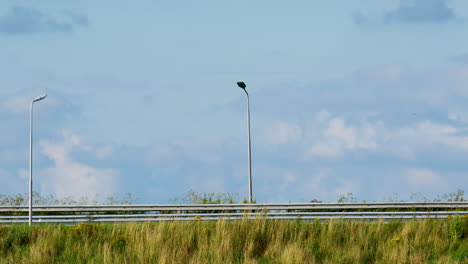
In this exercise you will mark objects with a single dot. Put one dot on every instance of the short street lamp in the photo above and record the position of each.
(31, 155)
(243, 87)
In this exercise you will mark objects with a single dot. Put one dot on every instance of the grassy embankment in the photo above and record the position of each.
(242, 241)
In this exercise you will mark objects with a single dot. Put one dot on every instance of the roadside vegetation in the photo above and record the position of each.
(241, 241)
(38, 199)
(193, 197)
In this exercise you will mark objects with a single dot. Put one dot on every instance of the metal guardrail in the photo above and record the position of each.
(303, 216)
(210, 212)
(235, 207)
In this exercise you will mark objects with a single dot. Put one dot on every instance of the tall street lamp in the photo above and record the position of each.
(31, 154)
(242, 86)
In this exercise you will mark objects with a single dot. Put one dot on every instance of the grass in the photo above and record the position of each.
(241, 241)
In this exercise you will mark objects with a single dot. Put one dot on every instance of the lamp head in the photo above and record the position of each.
(40, 98)
(241, 85)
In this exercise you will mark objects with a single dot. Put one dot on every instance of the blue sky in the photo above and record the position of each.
(357, 96)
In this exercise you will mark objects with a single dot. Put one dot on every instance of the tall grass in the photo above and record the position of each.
(240, 241)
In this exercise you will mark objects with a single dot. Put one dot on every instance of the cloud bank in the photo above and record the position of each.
(21, 20)
(411, 12)
(69, 177)
(420, 11)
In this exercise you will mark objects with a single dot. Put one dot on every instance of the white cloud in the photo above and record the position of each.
(23, 174)
(281, 184)
(202, 184)
(323, 115)
(457, 79)
(332, 137)
(330, 149)
(347, 186)
(104, 152)
(20, 104)
(322, 185)
(16, 104)
(162, 152)
(428, 134)
(459, 116)
(73, 178)
(288, 177)
(315, 184)
(326, 136)
(401, 150)
(424, 180)
(286, 181)
(9, 179)
(282, 133)
(13, 156)
(337, 137)
(3, 173)
(382, 73)
(340, 132)
(206, 151)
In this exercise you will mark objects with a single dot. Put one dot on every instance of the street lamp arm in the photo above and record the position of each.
(40, 98)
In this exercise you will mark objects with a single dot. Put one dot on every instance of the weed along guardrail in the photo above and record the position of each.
(211, 212)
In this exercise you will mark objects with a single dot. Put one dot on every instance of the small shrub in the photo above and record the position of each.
(455, 228)
(119, 243)
(15, 237)
(84, 230)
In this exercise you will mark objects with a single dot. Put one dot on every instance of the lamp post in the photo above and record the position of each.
(31, 154)
(243, 87)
